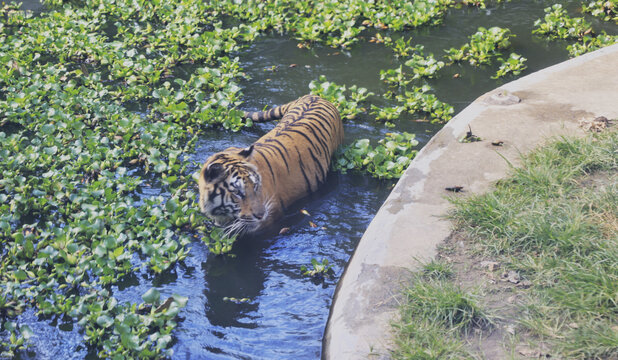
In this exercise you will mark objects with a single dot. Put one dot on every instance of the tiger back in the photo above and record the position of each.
(246, 189)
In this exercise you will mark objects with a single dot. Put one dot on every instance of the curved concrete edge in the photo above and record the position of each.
(410, 224)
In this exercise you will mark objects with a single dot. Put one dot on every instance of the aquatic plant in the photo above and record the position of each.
(513, 65)
(401, 46)
(477, 3)
(423, 66)
(484, 45)
(318, 270)
(334, 23)
(75, 156)
(399, 14)
(590, 43)
(388, 160)
(395, 77)
(604, 9)
(558, 25)
(218, 242)
(420, 101)
(347, 99)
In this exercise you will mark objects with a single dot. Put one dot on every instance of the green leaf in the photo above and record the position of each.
(105, 321)
(151, 296)
(130, 341)
(48, 129)
(26, 332)
(20, 275)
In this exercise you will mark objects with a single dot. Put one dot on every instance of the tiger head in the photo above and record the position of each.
(231, 191)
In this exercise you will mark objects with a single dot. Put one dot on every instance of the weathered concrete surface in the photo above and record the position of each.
(410, 224)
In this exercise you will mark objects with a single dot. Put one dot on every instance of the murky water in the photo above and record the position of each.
(285, 315)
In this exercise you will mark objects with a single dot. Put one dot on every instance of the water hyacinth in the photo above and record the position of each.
(513, 65)
(604, 9)
(484, 45)
(558, 25)
(388, 160)
(74, 229)
(335, 23)
(347, 99)
(590, 43)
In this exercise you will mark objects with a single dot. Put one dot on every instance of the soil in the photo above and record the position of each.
(500, 293)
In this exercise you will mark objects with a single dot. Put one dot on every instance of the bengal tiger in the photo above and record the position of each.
(245, 190)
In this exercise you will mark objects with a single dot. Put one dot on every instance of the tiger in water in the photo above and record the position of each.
(246, 189)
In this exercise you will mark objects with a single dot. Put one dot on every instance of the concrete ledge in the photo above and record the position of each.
(410, 224)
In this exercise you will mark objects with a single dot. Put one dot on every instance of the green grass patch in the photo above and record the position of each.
(554, 221)
(434, 315)
(424, 340)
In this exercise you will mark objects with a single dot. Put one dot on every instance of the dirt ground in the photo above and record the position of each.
(501, 293)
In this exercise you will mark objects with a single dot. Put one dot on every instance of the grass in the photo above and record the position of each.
(434, 313)
(554, 222)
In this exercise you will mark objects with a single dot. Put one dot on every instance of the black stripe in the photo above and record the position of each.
(278, 149)
(322, 119)
(214, 193)
(317, 161)
(302, 169)
(313, 125)
(281, 203)
(319, 139)
(303, 135)
(267, 163)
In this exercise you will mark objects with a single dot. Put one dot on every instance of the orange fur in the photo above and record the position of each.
(246, 190)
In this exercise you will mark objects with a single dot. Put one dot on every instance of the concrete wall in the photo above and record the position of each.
(410, 224)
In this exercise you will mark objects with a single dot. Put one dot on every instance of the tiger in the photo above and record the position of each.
(245, 190)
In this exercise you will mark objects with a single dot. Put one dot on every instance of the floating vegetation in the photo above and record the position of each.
(590, 43)
(423, 66)
(347, 100)
(236, 300)
(558, 25)
(513, 65)
(218, 242)
(388, 160)
(401, 46)
(484, 45)
(334, 23)
(74, 158)
(419, 100)
(604, 9)
(318, 270)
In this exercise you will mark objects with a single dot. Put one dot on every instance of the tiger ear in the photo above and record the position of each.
(214, 172)
(246, 152)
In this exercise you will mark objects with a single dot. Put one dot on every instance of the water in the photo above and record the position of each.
(286, 313)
